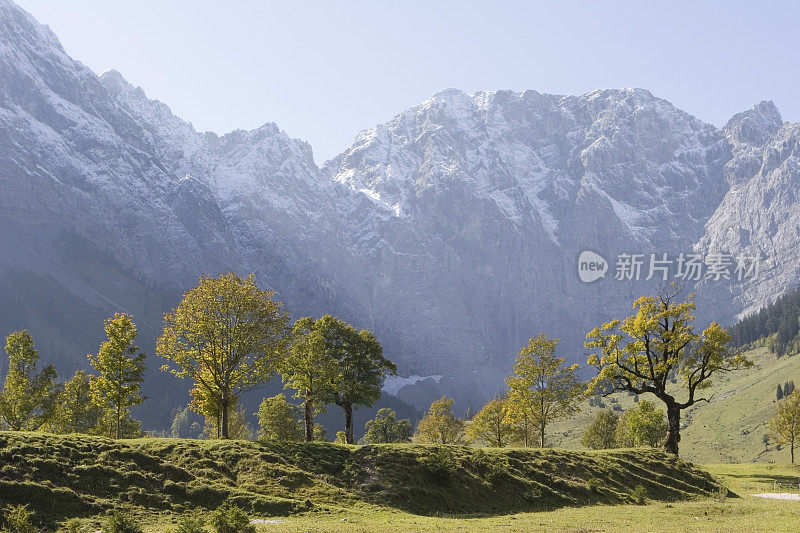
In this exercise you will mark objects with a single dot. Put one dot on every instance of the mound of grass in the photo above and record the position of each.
(62, 477)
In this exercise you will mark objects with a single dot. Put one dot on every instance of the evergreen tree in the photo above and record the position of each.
(779, 393)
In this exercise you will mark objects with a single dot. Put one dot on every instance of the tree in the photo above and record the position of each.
(320, 433)
(386, 428)
(542, 388)
(439, 425)
(185, 424)
(75, 411)
(642, 426)
(601, 432)
(311, 370)
(491, 425)
(785, 424)
(279, 419)
(779, 393)
(120, 366)
(28, 398)
(227, 336)
(238, 427)
(642, 352)
(361, 367)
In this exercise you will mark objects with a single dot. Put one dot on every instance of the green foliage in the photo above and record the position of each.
(230, 519)
(238, 427)
(642, 426)
(439, 425)
(643, 352)
(18, 519)
(75, 410)
(186, 424)
(121, 522)
(441, 464)
(191, 523)
(72, 525)
(542, 388)
(785, 424)
(594, 484)
(777, 321)
(310, 369)
(279, 420)
(491, 425)
(601, 434)
(639, 495)
(227, 336)
(385, 428)
(27, 399)
(320, 433)
(120, 366)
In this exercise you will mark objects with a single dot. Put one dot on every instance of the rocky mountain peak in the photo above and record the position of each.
(754, 126)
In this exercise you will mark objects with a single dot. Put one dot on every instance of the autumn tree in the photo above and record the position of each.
(785, 424)
(28, 398)
(311, 369)
(491, 425)
(643, 425)
(227, 336)
(600, 434)
(643, 352)
(360, 367)
(440, 425)
(542, 388)
(120, 367)
(279, 419)
(75, 410)
(386, 428)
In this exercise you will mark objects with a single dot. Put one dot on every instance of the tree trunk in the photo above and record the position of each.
(224, 413)
(308, 417)
(348, 422)
(541, 432)
(674, 428)
(791, 450)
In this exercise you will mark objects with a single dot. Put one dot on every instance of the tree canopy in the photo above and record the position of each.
(785, 424)
(28, 398)
(386, 428)
(440, 425)
(642, 352)
(542, 387)
(227, 336)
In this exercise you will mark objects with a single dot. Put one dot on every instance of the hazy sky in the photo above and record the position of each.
(325, 70)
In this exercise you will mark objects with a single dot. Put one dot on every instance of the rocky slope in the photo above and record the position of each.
(452, 230)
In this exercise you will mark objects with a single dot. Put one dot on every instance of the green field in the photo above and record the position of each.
(728, 429)
(159, 479)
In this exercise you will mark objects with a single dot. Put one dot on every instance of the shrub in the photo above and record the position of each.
(191, 523)
(639, 495)
(120, 522)
(230, 519)
(18, 519)
(440, 464)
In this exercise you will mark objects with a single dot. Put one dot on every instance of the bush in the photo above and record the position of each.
(639, 495)
(230, 519)
(440, 464)
(119, 522)
(191, 523)
(18, 519)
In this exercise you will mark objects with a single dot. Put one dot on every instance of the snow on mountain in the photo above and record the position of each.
(452, 230)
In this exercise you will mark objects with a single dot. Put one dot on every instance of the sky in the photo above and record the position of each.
(323, 71)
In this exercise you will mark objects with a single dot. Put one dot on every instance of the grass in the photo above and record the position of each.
(158, 480)
(728, 429)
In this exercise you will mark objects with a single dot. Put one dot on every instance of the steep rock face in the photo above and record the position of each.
(452, 230)
(482, 203)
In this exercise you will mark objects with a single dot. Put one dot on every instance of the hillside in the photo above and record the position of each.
(67, 476)
(730, 428)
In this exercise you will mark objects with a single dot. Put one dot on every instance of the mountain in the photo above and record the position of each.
(453, 230)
